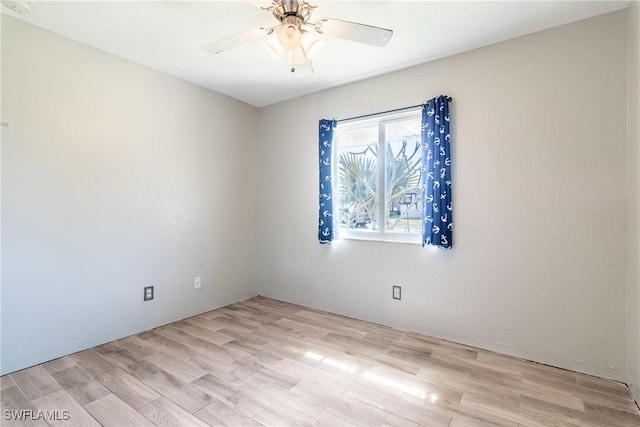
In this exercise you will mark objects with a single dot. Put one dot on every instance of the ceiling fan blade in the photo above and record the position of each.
(236, 40)
(362, 33)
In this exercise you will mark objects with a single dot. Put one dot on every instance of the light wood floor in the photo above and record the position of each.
(265, 362)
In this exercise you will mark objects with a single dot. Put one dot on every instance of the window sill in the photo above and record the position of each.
(383, 238)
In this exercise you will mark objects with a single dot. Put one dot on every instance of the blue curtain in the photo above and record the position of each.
(325, 220)
(437, 212)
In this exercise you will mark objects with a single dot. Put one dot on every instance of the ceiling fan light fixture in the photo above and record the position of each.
(311, 45)
(297, 57)
(289, 33)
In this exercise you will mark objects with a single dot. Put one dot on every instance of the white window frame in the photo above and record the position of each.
(380, 235)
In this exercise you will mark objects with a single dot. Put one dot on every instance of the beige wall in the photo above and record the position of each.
(633, 194)
(115, 177)
(538, 268)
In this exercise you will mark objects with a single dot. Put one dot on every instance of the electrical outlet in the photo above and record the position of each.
(148, 293)
(397, 290)
(197, 282)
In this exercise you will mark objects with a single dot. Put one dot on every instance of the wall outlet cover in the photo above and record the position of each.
(397, 292)
(148, 293)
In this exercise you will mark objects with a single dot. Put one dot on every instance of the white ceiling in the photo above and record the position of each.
(168, 36)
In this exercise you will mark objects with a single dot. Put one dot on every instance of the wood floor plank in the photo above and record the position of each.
(302, 371)
(393, 420)
(107, 348)
(73, 413)
(287, 346)
(231, 374)
(613, 403)
(110, 410)
(195, 341)
(183, 394)
(35, 382)
(304, 406)
(221, 414)
(17, 410)
(205, 323)
(276, 416)
(496, 407)
(246, 402)
(243, 336)
(92, 362)
(58, 364)
(329, 419)
(587, 394)
(164, 413)
(604, 386)
(80, 385)
(6, 382)
(595, 415)
(213, 386)
(127, 388)
(339, 404)
(353, 413)
(131, 363)
(226, 321)
(169, 345)
(614, 416)
(565, 400)
(466, 416)
(175, 366)
(522, 414)
(333, 359)
(244, 348)
(415, 413)
(384, 359)
(275, 400)
(203, 333)
(280, 378)
(137, 346)
(265, 362)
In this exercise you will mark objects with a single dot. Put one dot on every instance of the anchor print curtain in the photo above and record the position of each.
(437, 212)
(325, 220)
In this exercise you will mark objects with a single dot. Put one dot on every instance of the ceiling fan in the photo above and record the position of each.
(298, 39)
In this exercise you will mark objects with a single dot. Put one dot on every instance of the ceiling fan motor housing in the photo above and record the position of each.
(290, 6)
(282, 9)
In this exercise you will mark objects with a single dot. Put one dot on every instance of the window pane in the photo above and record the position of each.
(403, 197)
(358, 177)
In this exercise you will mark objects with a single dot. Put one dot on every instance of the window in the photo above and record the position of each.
(378, 174)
